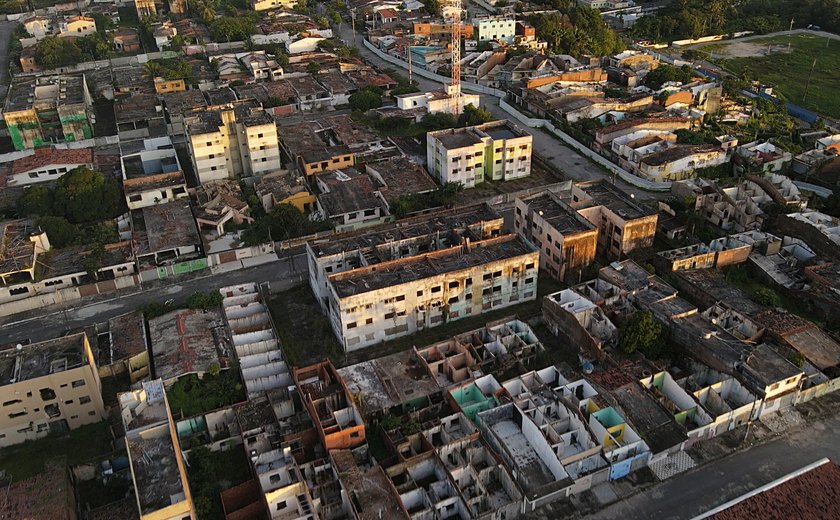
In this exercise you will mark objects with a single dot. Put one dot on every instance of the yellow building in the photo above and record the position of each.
(154, 455)
(265, 5)
(281, 188)
(163, 86)
(78, 26)
(48, 387)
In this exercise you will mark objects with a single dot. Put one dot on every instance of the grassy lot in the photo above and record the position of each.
(303, 330)
(192, 395)
(80, 445)
(788, 72)
(210, 473)
(743, 278)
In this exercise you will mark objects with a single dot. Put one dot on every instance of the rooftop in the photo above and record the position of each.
(401, 177)
(17, 251)
(186, 341)
(128, 336)
(46, 156)
(167, 226)
(44, 92)
(436, 223)
(370, 488)
(427, 265)
(388, 381)
(653, 423)
(157, 479)
(769, 366)
(42, 359)
(617, 201)
(810, 493)
(560, 216)
(678, 152)
(46, 495)
(348, 191)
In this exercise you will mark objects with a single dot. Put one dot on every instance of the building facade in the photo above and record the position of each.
(48, 387)
(497, 151)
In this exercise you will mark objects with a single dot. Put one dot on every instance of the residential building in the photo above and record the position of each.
(264, 5)
(77, 27)
(330, 405)
(186, 341)
(634, 60)
(829, 144)
(228, 143)
(495, 28)
(680, 162)
(573, 317)
(314, 150)
(441, 31)
(127, 40)
(417, 278)
(497, 151)
(48, 387)
(761, 158)
(153, 175)
(218, 203)
(437, 101)
(22, 243)
(567, 241)
(399, 177)
(163, 86)
(154, 455)
(349, 199)
(145, 8)
(622, 224)
(255, 343)
(282, 188)
(48, 109)
(604, 136)
(164, 233)
(48, 164)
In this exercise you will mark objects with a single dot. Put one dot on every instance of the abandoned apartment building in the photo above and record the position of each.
(396, 279)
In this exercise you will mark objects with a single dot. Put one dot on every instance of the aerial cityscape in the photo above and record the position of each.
(419, 259)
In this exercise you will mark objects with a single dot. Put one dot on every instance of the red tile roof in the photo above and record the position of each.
(813, 495)
(46, 156)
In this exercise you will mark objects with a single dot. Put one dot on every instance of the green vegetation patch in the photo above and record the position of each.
(788, 72)
(192, 395)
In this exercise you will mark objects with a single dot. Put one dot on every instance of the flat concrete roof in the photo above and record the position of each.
(561, 217)
(185, 341)
(41, 359)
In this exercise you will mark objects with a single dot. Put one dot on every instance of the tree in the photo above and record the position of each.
(85, 195)
(152, 70)
(93, 260)
(767, 297)
(474, 116)
(642, 332)
(438, 121)
(97, 45)
(60, 232)
(667, 73)
(313, 67)
(365, 100)
(36, 200)
(53, 52)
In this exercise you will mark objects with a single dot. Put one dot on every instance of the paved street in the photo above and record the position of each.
(701, 489)
(52, 321)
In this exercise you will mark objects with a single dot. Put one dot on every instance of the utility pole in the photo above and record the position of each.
(408, 52)
(353, 21)
(808, 84)
(790, 33)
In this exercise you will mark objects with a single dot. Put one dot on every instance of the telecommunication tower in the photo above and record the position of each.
(452, 15)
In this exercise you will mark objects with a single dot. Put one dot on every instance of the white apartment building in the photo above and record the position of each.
(410, 277)
(500, 28)
(153, 175)
(237, 141)
(497, 151)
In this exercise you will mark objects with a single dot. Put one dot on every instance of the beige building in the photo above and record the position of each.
(496, 151)
(420, 274)
(232, 142)
(154, 455)
(622, 224)
(265, 5)
(567, 241)
(77, 27)
(48, 387)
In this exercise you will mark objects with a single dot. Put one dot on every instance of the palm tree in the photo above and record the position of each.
(151, 70)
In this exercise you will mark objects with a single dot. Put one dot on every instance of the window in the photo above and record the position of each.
(370, 212)
(84, 399)
(259, 136)
(47, 394)
(419, 293)
(497, 274)
(452, 300)
(436, 289)
(17, 414)
(529, 280)
(529, 266)
(78, 383)
(212, 156)
(52, 410)
(354, 434)
(389, 315)
(468, 297)
(368, 321)
(135, 198)
(281, 505)
(351, 216)
(453, 285)
(92, 413)
(351, 325)
(400, 298)
(487, 276)
(70, 401)
(469, 281)
(209, 143)
(13, 401)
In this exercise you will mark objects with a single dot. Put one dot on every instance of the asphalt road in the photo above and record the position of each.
(699, 490)
(568, 161)
(52, 321)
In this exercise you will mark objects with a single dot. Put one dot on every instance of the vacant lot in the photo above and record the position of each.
(769, 61)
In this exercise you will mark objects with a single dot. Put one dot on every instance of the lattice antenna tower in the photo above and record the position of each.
(452, 15)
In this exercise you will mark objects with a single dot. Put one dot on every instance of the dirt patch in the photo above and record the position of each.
(749, 50)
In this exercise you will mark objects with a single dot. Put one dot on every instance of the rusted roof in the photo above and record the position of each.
(46, 156)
